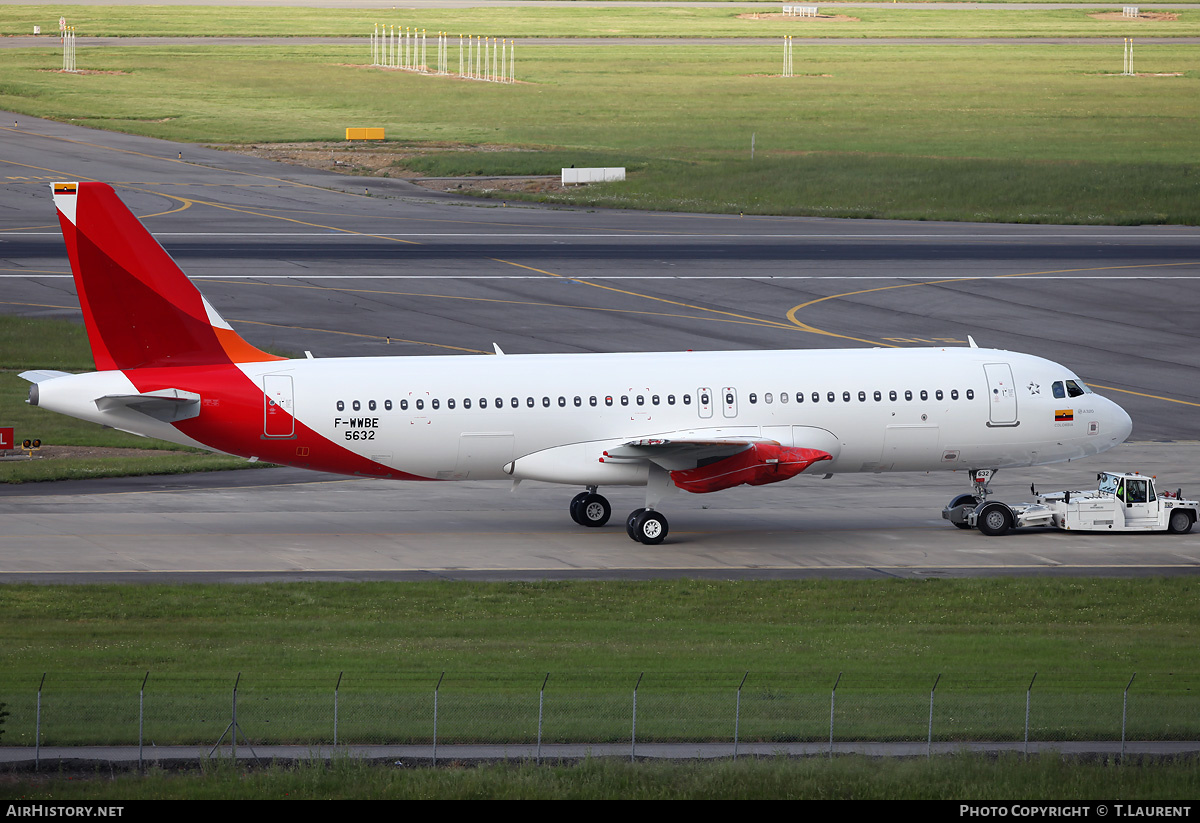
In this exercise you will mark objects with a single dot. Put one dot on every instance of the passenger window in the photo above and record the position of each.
(908, 395)
(970, 394)
(516, 403)
(546, 402)
(704, 398)
(341, 405)
(670, 400)
(483, 402)
(579, 401)
(862, 397)
(420, 405)
(878, 396)
(654, 400)
(845, 397)
(608, 400)
(924, 394)
(753, 398)
(387, 405)
(624, 400)
(783, 397)
(466, 402)
(830, 396)
(592, 400)
(892, 396)
(641, 401)
(450, 403)
(687, 400)
(954, 394)
(816, 397)
(938, 395)
(403, 405)
(799, 397)
(767, 398)
(371, 405)
(529, 402)
(562, 401)
(357, 405)
(434, 403)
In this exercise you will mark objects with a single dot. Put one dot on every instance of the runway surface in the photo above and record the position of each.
(303, 260)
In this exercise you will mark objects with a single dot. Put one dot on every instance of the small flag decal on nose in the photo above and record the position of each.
(1064, 415)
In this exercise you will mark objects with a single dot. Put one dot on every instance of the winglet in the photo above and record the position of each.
(139, 308)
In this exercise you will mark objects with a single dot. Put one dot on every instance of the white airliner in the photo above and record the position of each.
(170, 367)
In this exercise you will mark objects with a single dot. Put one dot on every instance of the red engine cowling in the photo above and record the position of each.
(759, 464)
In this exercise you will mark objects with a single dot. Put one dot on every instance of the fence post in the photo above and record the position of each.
(737, 715)
(633, 739)
(1124, 714)
(142, 719)
(436, 689)
(336, 688)
(1028, 692)
(832, 703)
(541, 706)
(929, 744)
(37, 728)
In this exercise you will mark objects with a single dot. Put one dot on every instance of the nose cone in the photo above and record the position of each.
(1120, 423)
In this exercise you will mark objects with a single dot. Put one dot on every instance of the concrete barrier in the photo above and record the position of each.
(572, 177)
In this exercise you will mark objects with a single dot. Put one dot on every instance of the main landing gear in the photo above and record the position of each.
(644, 525)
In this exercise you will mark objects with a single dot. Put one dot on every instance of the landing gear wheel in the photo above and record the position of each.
(964, 500)
(631, 521)
(650, 528)
(576, 502)
(995, 520)
(590, 509)
(1180, 523)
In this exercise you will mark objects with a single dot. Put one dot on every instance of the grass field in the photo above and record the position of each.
(175, 21)
(988, 133)
(960, 777)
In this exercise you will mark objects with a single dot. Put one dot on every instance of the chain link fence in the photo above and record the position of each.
(366, 707)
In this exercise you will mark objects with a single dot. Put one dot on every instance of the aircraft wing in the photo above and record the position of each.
(707, 465)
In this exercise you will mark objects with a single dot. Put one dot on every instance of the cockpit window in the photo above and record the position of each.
(1075, 389)
(1060, 391)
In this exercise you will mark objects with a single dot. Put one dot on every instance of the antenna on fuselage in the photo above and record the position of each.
(496, 346)
(971, 340)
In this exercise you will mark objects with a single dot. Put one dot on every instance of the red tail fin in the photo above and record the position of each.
(139, 307)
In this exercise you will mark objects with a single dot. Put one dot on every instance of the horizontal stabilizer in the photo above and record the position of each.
(167, 405)
(42, 375)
